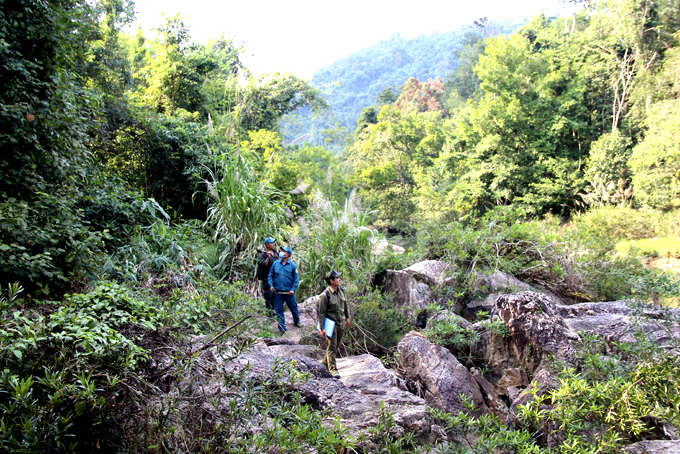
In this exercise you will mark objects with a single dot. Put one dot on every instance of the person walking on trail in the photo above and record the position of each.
(283, 281)
(267, 259)
(333, 305)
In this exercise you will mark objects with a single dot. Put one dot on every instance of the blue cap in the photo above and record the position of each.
(288, 250)
(269, 240)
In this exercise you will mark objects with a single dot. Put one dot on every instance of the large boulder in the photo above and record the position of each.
(357, 397)
(435, 374)
(367, 375)
(540, 330)
(500, 282)
(536, 334)
(620, 321)
(382, 247)
(415, 287)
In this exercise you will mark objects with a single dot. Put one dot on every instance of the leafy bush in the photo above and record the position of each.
(618, 223)
(45, 243)
(339, 238)
(61, 367)
(450, 331)
(377, 326)
(109, 205)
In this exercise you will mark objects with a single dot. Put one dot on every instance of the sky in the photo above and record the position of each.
(303, 36)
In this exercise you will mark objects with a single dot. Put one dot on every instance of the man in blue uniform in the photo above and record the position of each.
(283, 281)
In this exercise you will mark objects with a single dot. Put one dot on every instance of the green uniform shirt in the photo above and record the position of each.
(335, 307)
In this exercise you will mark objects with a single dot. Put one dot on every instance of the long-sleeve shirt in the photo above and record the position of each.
(335, 307)
(264, 266)
(284, 277)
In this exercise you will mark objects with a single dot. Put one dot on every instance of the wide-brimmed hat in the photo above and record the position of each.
(269, 240)
(332, 275)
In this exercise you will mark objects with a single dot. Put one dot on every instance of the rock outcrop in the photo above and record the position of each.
(536, 334)
(436, 375)
(414, 287)
(357, 397)
(619, 321)
(654, 446)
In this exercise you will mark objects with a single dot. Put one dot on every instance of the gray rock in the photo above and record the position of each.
(536, 334)
(542, 384)
(357, 397)
(474, 307)
(310, 351)
(513, 393)
(447, 316)
(437, 375)
(410, 294)
(368, 376)
(432, 272)
(619, 321)
(513, 377)
(654, 446)
(500, 282)
(415, 287)
(382, 246)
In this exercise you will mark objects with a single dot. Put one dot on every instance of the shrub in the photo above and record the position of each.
(377, 326)
(618, 223)
(339, 238)
(46, 244)
(61, 369)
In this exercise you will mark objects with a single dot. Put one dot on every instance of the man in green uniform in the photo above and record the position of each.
(333, 304)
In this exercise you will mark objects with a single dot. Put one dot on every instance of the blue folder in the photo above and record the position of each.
(328, 326)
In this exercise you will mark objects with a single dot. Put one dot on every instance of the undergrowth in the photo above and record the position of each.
(575, 264)
(619, 393)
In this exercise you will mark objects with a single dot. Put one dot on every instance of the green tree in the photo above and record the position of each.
(607, 170)
(655, 161)
(387, 157)
(47, 111)
(463, 81)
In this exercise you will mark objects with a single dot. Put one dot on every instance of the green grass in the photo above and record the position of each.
(650, 247)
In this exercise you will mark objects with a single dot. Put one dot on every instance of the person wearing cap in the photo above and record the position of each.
(267, 259)
(333, 304)
(283, 281)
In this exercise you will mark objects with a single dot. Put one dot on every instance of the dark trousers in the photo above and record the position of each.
(278, 307)
(267, 295)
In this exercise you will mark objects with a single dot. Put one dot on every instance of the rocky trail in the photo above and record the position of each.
(541, 329)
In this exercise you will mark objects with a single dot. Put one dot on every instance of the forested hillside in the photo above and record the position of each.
(139, 177)
(562, 115)
(353, 83)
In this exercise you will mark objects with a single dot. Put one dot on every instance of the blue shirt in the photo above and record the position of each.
(284, 278)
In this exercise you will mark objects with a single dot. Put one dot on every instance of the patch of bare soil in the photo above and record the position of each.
(671, 264)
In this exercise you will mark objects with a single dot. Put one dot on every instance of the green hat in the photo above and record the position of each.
(332, 275)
